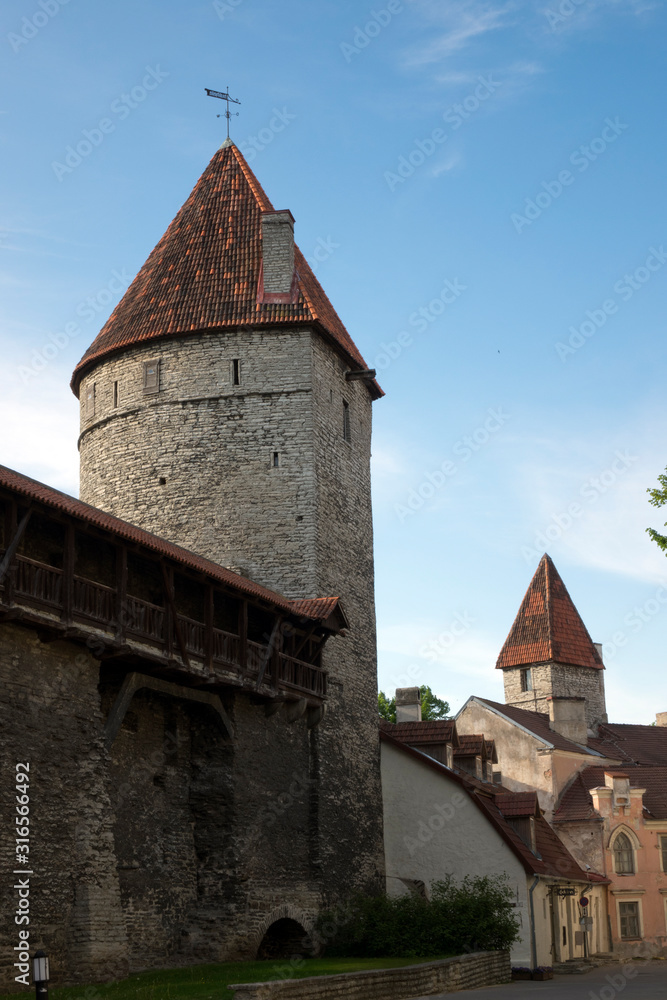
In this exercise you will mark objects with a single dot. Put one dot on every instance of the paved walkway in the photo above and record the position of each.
(636, 981)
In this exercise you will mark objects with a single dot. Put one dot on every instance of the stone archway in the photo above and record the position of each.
(284, 933)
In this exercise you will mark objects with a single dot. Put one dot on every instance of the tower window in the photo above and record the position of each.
(276, 459)
(151, 377)
(527, 679)
(347, 433)
(115, 395)
(236, 371)
(90, 401)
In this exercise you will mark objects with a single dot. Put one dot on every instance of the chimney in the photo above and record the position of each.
(408, 705)
(620, 785)
(277, 278)
(661, 718)
(567, 716)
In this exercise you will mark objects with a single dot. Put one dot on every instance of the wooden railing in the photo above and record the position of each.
(37, 585)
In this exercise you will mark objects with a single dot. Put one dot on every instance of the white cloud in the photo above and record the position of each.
(463, 22)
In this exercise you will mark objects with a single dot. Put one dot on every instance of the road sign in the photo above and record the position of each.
(583, 901)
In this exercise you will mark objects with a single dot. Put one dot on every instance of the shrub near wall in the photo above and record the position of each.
(476, 914)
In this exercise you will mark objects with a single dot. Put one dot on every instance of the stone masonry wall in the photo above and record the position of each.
(50, 718)
(560, 680)
(451, 975)
(194, 462)
(303, 527)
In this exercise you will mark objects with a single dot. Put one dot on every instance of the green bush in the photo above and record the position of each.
(476, 914)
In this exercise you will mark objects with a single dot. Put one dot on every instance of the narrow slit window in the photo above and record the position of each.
(347, 433)
(527, 679)
(90, 401)
(115, 395)
(236, 371)
(276, 459)
(151, 377)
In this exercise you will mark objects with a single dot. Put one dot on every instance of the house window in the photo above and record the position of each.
(624, 856)
(628, 914)
(663, 852)
(115, 395)
(347, 433)
(276, 459)
(151, 377)
(527, 679)
(236, 371)
(90, 401)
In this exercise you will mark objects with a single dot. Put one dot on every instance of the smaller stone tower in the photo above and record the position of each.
(549, 654)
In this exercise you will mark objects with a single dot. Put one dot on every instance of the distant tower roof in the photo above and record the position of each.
(548, 626)
(204, 274)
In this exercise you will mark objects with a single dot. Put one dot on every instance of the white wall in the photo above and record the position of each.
(432, 828)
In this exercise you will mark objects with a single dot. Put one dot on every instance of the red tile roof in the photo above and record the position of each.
(32, 490)
(548, 626)
(518, 804)
(576, 803)
(634, 744)
(203, 274)
(430, 731)
(471, 745)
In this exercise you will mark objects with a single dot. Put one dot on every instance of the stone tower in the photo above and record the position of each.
(549, 655)
(225, 407)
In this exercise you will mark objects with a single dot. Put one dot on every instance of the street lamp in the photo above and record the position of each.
(40, 975)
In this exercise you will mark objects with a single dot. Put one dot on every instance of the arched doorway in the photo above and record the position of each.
(283, 939)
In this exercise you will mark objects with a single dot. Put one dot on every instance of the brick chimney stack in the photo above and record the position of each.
(278, 252)
(567, 716)
(408, 705)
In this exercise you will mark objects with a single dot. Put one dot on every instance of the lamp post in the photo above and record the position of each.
(40, 975)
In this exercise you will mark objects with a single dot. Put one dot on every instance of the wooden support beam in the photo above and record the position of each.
(121, 593)
(243, 636)
(306, 638)
(270, 651)
(11, 549)
(68, 574)
(168, 578)
(210, 616)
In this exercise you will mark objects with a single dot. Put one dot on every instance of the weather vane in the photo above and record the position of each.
(224, 97)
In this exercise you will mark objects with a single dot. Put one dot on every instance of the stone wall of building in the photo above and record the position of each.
(559, 680)
(260, 477)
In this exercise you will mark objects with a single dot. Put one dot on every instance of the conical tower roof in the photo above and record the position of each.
(203, 274)
(548, 626)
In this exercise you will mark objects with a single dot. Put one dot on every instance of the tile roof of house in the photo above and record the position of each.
(554, 859)
(203, 274)
(431, 731)
(518, 803)
(632, 743)
(548, 626)
(31, 490)
(576, 804)
(537, 723)
(471, 745)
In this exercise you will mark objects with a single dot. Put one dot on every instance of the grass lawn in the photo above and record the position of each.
(209, 982)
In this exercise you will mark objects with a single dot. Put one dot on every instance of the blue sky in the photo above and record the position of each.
(483, 186)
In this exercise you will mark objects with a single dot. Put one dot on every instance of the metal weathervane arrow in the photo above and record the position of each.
(224, 97)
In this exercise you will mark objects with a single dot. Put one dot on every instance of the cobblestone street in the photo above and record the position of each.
(640, 981)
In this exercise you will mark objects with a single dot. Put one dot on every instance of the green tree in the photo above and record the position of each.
(659, 499)
(432, 707)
